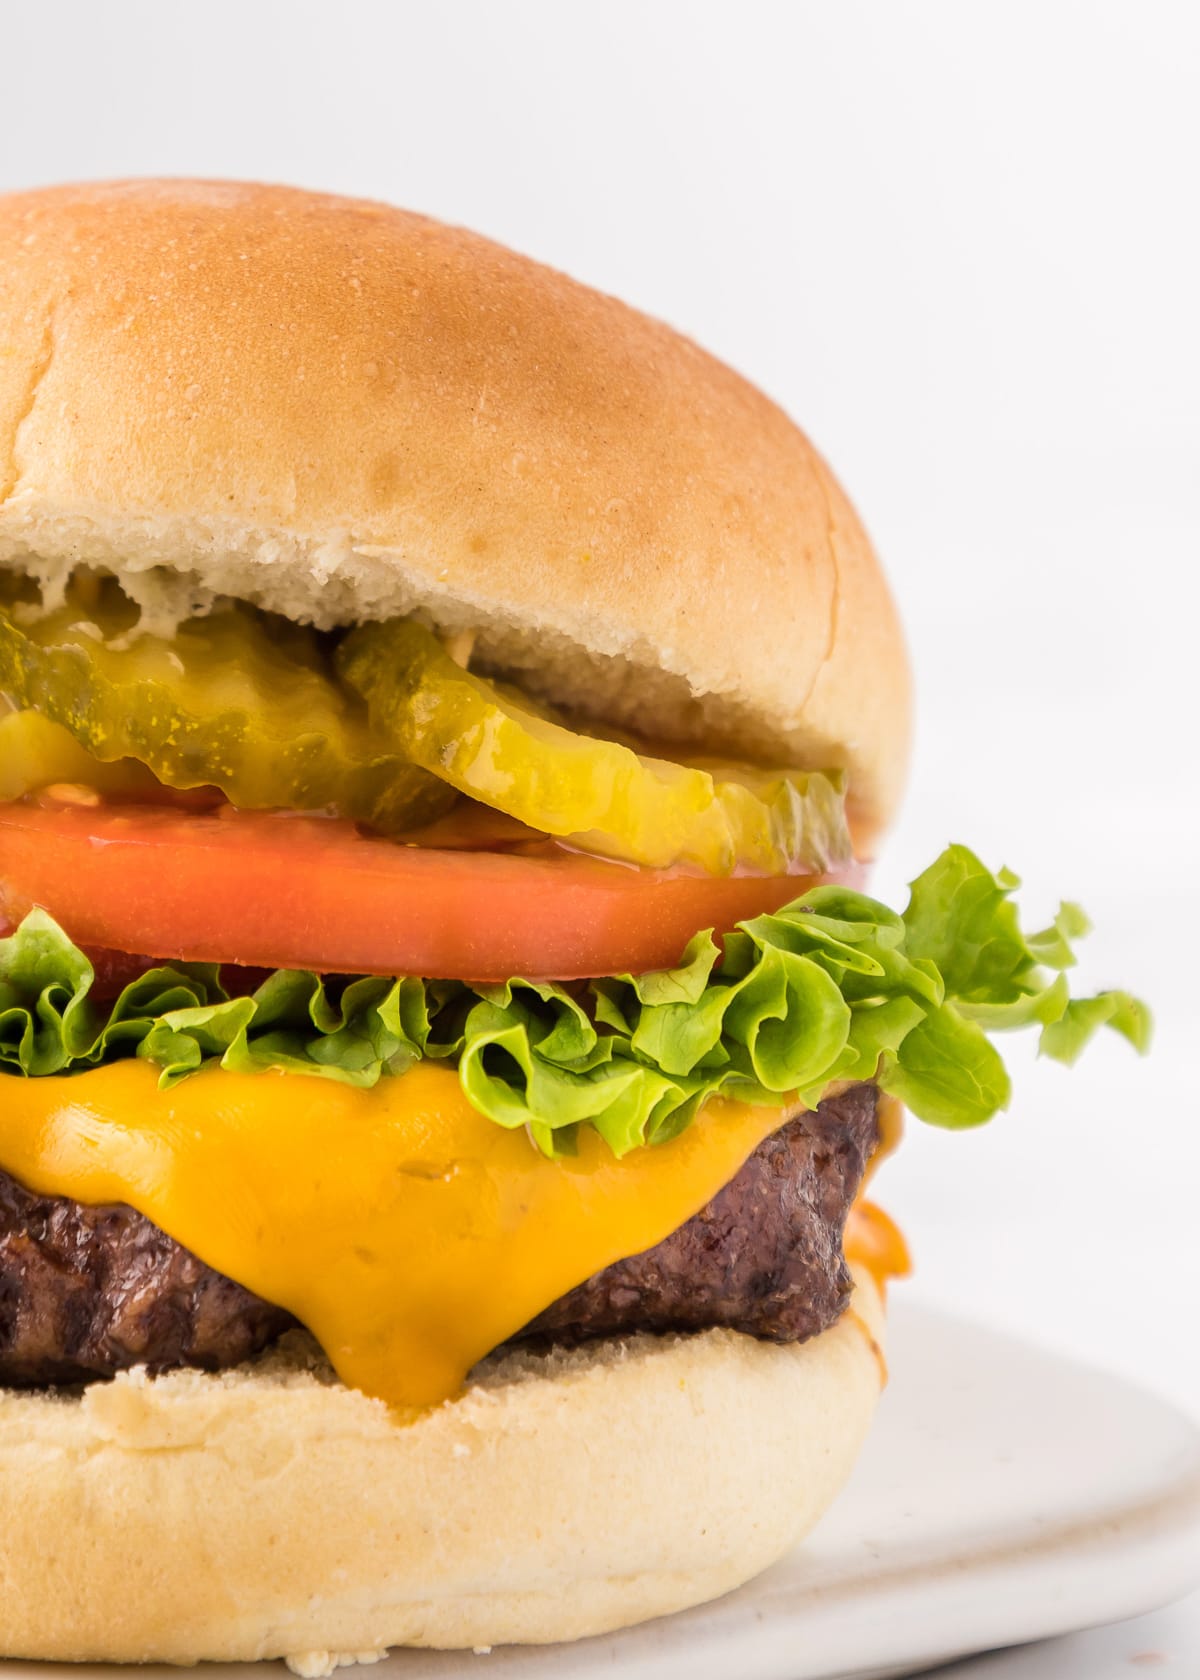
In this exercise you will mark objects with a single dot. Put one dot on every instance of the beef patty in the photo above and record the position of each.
(764, 1256)
(88, 1291)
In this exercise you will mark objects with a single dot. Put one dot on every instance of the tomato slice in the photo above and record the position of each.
(114, 970)
(274, 891)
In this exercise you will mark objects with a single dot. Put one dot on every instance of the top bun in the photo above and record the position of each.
(343, 411)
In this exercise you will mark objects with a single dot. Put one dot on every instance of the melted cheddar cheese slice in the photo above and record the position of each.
(410, 1234)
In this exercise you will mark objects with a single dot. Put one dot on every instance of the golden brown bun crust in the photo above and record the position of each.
(272, 1512)
(342, 411)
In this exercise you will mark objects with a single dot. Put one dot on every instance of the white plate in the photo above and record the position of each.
(1005, 1495)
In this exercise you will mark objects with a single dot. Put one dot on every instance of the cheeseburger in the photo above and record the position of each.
(444, 1031)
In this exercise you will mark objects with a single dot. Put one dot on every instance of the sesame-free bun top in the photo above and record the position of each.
(344, 411)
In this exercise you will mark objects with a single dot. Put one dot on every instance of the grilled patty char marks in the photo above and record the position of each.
(88, 1291)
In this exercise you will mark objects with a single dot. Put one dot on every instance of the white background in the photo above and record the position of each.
(959, 242)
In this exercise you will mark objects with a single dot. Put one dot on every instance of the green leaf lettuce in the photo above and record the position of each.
(833, 986)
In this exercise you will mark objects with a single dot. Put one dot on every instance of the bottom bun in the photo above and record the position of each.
(271, 1512)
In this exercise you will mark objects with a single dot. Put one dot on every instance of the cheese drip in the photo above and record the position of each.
(875, 1242)
(409, 1233)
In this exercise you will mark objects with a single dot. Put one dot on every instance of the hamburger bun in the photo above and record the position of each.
(341, 411)
(271, 1512)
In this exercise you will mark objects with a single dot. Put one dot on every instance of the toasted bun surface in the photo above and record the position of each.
(343, 411)
(271, 1512)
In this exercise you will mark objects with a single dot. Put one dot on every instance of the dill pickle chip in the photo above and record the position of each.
(599, 794)
(234, 701)
(37, 753)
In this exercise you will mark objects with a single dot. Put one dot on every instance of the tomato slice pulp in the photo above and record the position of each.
(277, 891)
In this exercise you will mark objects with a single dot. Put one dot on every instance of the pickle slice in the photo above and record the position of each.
(37, 753)
(600, 795)
(236, 701)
